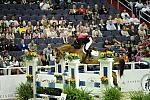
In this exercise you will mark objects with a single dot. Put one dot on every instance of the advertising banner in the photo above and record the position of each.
(8, 85)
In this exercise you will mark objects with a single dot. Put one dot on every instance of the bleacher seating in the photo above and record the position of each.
(32, 12)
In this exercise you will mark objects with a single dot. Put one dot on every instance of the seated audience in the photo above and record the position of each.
(44, 5)
(124, 13)
(32, 46)
(110, 26)
(73, 11)
(81, 10)
(22, 45)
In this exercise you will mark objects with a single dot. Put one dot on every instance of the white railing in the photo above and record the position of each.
(7, 70)
(131, 9)
(124, 4)
(140, 16)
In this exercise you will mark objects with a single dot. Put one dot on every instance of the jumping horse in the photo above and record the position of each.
(60, 51)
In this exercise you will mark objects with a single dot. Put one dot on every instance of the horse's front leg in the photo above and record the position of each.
(82, 59)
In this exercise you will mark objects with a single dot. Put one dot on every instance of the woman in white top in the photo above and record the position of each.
(14, 62)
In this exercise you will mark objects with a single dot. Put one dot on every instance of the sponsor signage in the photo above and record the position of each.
(8, 85)
(135, 80)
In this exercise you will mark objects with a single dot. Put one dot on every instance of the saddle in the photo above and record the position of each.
(76, 45)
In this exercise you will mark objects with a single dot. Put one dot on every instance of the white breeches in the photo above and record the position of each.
(88, 44)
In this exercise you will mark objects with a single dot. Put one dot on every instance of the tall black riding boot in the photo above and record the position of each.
(88, 53)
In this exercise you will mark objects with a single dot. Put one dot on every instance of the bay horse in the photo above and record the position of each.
(60, 51)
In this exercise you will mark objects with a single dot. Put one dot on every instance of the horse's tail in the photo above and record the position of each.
(121, 66)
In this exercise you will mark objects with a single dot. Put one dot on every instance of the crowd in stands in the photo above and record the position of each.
(142, 6)
(121, 33)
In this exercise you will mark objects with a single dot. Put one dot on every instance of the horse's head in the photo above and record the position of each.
(58, 55)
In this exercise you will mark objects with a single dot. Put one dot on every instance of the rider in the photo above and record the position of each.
(84, 38)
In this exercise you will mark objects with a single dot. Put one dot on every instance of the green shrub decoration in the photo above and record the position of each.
(59, 78)
(76, 94)
(24, 91)
(112, 93)
(139, 95)
(49, 91)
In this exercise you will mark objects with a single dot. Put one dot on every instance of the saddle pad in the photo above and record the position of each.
(94, 53)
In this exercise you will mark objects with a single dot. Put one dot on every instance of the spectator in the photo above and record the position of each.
(114, 40)
(44, 21)
(1, 63)
(4, 24)
(44, 5)
(9, 34)
(93, 25)
(30, 26)
(12, 20)
(132, 31)
(22, 45)
(53, 20)
(47, 31)
(13, 46)
(124, 31)
(88, 15)
(36, 34)
(21, 22)
(6, 62)
(115, 47)
(96, 32)
(49, 53)
(102, 25)
(62, 24)
(81, 10)
(64, 35)
(126, 20)
(23, 2)
(53, 32)
(134, 20)
(32, 46)
(44, 58)
(107, 44)
(6, 56)
(124, 13)
(118, 25)
(142, 33)
(95, 16)
(80, 27)
(139, 5)
(86, 28)
(70, 31)
(13, 28)
(73, 11)
(55, 26)
(142, 25)
(14, 62)
(110, 26)
(37, 26)
(62, 21)
(97, 9)
(118, 19)
(38, 31)
(104, 10)
(27, 34)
